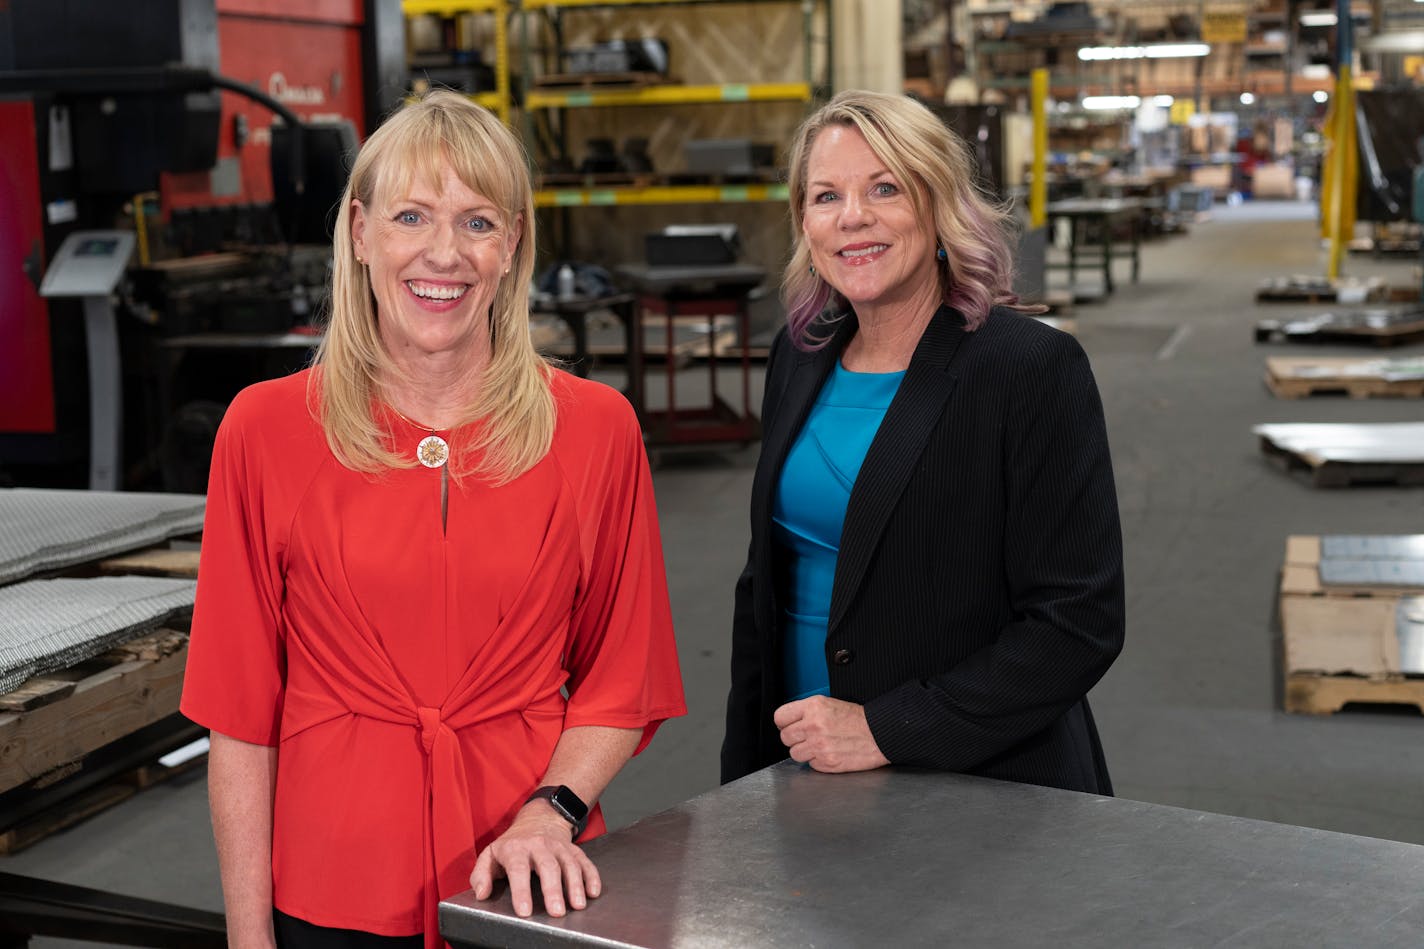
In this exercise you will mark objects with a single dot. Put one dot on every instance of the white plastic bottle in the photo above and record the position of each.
(566, 282)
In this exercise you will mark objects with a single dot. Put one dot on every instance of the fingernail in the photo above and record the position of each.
(577, 902)
(523, 909)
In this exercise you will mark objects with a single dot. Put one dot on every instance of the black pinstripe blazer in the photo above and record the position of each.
(978, 594)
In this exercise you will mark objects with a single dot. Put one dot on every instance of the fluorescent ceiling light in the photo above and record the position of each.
(1159, 51)
(1111, 102)
(1165, 101)
(1177, 50)
(1318, 19)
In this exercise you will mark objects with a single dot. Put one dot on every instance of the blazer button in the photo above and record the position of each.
(843, 657)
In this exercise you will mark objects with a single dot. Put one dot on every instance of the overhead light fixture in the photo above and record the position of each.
(1247, 98)
(1157, 51)
(1166, 101)
(1320, 95)
(1323, 18)
(1111, 102)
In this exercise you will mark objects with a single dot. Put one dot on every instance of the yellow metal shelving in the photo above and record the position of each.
(449, 7)
(670, 95)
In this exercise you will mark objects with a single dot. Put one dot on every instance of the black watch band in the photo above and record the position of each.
(565, 803)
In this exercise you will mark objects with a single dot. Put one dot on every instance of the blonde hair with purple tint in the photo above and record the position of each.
(938, 171)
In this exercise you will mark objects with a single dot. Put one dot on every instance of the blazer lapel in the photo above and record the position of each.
(894, 452)
(807, 372)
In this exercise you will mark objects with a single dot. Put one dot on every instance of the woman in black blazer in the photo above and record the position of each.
(935, 560)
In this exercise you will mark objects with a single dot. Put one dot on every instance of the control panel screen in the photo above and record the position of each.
(97, 247)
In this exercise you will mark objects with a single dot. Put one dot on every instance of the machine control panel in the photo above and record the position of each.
(88, 264)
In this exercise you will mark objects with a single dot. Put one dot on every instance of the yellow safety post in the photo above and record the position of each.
(1337, 196)
(1038, 188)
(1341, 171)
(501, 59)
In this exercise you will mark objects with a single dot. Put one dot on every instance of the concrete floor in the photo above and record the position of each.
(1190, 714)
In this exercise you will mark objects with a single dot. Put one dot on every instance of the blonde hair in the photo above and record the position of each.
(938, 170)
(513, 400)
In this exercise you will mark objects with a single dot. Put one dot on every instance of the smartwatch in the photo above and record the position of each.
(565, 803)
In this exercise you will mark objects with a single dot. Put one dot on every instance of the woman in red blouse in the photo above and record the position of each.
(432, 618)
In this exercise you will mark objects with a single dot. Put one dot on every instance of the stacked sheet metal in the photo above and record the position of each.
(52, 624)
(48, 530)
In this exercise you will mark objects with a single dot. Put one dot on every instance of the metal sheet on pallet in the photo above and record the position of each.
(47, 625)
(902, 857)
(1380, 442)
(1384, 561)
(49, 530)
(1409, 627)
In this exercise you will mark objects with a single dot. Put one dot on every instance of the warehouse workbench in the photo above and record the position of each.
(790, 857)
(1092, 223)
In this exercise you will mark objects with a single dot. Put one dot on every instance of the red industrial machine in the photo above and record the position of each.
(161, 118)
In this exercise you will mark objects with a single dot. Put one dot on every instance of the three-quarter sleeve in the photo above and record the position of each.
(621, 656)
(236, 658)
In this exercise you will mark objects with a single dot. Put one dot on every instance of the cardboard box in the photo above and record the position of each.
(1335, 628)
(1273, 181)
(1216, 177)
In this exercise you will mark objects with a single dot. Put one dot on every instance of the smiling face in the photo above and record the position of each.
(436, 251)
(861, 228)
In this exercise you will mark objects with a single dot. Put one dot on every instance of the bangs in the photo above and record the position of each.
(484, 163)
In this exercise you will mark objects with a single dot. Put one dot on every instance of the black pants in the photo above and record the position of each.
(293, 933)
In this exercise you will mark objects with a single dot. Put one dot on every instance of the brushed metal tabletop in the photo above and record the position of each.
(790, 857)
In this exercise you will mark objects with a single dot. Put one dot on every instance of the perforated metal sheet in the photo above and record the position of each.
(51, 624)
(49, 530)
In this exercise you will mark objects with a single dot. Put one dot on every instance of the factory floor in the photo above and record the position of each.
(1191, 712)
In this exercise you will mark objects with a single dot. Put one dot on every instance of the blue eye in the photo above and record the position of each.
(886, 189)
(823, 197)
(408, 217)
(478, 224)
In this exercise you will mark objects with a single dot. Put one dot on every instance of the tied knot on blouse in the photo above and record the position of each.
(430, 723)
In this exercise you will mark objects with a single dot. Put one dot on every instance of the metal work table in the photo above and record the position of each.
(707, 291)
(1106, 213)
(789, 857)
(574, 314)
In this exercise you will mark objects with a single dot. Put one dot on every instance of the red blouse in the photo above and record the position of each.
(413, 676)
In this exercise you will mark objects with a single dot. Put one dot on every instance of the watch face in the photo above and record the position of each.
(570, 804)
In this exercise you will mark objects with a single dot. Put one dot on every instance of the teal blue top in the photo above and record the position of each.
(810, 509)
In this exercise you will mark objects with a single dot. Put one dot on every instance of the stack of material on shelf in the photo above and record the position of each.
(1294, 378)
(1379, 326)
(50, 530)
(1352, 615)
(1343, 454)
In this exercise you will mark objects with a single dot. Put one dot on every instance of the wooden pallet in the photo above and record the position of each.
(51, 721)
(1325, 695)
(1297, 378)
(1326, 473)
